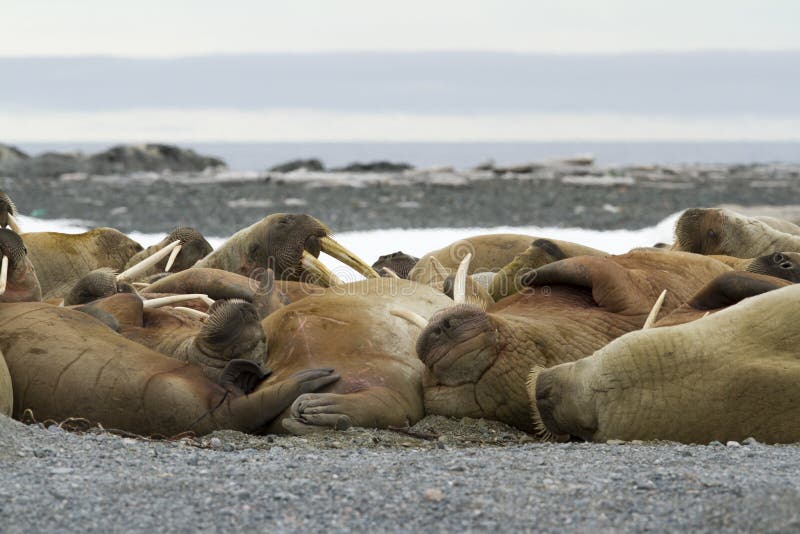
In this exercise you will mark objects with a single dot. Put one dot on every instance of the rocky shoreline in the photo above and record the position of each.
(561, 193)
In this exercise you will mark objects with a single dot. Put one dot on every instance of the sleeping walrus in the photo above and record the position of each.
(479, 360)
(729, 376)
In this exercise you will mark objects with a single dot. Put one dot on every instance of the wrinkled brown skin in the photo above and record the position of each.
(98, 284)
(193, 248)
(479, 361)
(719, 231)
(64, 364)
(183, 337)
(725, 290)
(399, 262)
(726, 377)
(490, 253)
(60, 260)
(22, 284)
(222, 285)
(6, 390)
(540, 253)
(276, 242)
(350, 327)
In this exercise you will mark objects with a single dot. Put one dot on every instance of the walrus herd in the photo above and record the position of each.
(694, 341)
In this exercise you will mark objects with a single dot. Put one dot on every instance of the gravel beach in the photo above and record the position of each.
(586, 196)
(460, 475)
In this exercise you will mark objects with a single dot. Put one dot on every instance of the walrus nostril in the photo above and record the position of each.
(786, 265)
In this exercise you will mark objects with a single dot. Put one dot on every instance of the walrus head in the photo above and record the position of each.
(785, 265)
(18, 282)
(233, 330)
(98, 284)
(193, 246)
(8, 211)
(290, 245)
(398, 262)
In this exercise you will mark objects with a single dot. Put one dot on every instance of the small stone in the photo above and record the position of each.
(615, 442)
(215, 443)
(61, 470)
(733, 444)
(228, 447)
(434, 494)
(637, 442)
(715, 443)
(750, 441)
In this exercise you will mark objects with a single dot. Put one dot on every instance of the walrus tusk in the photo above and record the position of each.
(317, 268)
(3, 274)
(172, 256)
(12, 222)
(391, 273)
(140, 285)
(192, 312)
(654, 312)
(330, 247)
(174, 299)
(441, 272)
(410, 316)
(460, 281)
(141, 267)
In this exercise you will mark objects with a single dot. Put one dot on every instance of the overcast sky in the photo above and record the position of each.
(159, 28)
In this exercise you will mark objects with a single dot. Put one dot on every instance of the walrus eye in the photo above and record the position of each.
(712, 234)
(778, 258)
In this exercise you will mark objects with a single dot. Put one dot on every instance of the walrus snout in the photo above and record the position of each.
(559, 406)
(458, 344)
(398, 262)
(233, 330)
(784, 265)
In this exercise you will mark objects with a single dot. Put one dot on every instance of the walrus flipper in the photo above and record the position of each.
(241, 377)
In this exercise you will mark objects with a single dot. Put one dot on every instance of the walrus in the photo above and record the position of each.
(193, 247)
(60, 260)
(65, 364)
(231, 331)
(724, 232)
(289, 244)
(540, 252)
(8, 211)
(18, 280)
(490, 252)
(398, 263)
(222, 285)
(478, 360)
(352, 327)
(726, 377)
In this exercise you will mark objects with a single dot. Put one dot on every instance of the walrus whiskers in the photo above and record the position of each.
(3, 274)
(460, 281)
(142, 267)
(410, 316)
(173, 299)
(651, 318)
(541, 430)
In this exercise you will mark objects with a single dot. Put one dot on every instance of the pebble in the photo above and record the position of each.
(434, 494)
(733, 444)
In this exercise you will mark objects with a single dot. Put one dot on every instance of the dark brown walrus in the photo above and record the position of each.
(60, 260)
(232, 331)
(66, 364)
(193, 247)
(479, 360)
(289, 244)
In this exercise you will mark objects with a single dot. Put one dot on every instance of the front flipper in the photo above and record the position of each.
(315, 412)
(241, 377)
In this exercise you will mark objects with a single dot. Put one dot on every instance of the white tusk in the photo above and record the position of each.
(410, 316)
(318, 269)
(654, 312)
(171, 260)
(3, 274)
(460, 282)
(192, 312)
(12, 222)
(140, 285)
(331, 247)
(142, 267)
(705, 315)
(174, 299)
(390, 272)
(440, 270)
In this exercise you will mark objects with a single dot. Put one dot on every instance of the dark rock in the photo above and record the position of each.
(53, 164)
(150, 158)
(375, 166)
(11, 154)
(297, 164)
